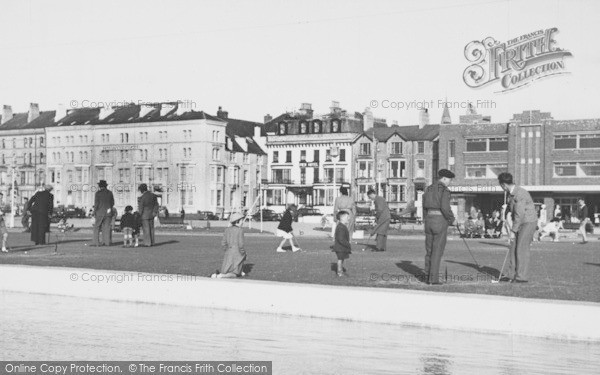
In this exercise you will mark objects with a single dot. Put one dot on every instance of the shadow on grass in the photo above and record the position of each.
(483, 269)
(247, 268)
(408, 267)
(334, 267)
(499, 243)
(166, 243)
(592, 264)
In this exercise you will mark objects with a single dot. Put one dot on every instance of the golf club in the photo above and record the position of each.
(504, 226)
(502, 269)
(472, 256)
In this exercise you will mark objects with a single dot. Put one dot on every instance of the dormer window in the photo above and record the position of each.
(282, 128)
(335, 126)
(303, 127)
(317, 128)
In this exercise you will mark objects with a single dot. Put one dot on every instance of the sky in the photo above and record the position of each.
(259, 57)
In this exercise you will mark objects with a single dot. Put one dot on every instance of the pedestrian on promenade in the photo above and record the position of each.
(285, 230)
(583, 219)
(3, 232)
(345, 203)
(382, 220)
(127, 225)
(41, 206)
(148, 209)
(137, 224)
(104, 202)
(26, 216)
(341, 245)
(523, 226)
(233, 245)
(438, 216)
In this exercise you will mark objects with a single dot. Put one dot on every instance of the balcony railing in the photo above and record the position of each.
(329, 180)
(286, 181)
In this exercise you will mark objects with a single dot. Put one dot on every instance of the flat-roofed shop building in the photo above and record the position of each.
(557, 161)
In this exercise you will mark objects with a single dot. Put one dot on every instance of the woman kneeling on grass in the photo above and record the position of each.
(341, 245)
(233, 244)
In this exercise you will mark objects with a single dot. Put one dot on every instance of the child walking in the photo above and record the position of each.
(127, 226)
(285, 229)
(341, 244)
(3, 232)
(233, 244)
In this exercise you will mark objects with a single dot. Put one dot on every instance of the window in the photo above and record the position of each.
(275, 197)
(474, 145)
(335, 126)
(3, 144)
(315, 174)
(589, 141)
(342, 154)
(364, 169)
(420, 169)
(328, 155)
(565, 141)
(232, 157)
(281, 176)
(41, 141)
(215, 154)
(577, 169)
(485, 170)
(317, 127)
(421, 147)
(365, 149)
(275, 156)
(139, 174)
(396, 148)
(219, 178)
(246, 182)
(396, 193)
(397, 169)
(452, 149)
(302, 155)
(303, 127)
(288, 156)
(498, 144)
(245, 158)
(590, 168)
(282, 128)
(316, 155)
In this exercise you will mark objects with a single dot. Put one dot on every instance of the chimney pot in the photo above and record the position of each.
(268, 118)
(423, 117)
(7, 113)
(222, 114)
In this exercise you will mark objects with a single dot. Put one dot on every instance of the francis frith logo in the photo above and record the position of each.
(515, 63)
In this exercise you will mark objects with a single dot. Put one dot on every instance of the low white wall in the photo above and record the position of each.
(478, 313)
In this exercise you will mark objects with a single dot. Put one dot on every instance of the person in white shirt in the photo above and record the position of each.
(551, 229)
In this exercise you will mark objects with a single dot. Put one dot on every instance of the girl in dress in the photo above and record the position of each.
(233, 245)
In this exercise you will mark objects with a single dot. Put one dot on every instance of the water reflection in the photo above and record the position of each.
(41, 327)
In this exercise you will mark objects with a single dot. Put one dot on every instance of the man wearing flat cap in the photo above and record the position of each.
(103, 210)
(41, 206)
(438, 216)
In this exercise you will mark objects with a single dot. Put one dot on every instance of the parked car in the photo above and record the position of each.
(308, 211)
(267, 215)
(207, 215)
(74, 212)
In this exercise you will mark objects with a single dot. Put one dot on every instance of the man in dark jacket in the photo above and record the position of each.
(41, 206)
(103, 210)
(383, 217)
(438, 215)
(148, 209)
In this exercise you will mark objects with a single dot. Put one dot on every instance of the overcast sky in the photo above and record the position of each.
(258, 57)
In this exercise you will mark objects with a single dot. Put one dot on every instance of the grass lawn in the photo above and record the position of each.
(563, 270)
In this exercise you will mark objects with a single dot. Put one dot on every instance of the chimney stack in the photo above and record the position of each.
(7, 113)
(34, 112)
(61, 112)
(306, 110)
(222, 114)
(423, 117)
(268, 118)
(335, 107)
(368, 118)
